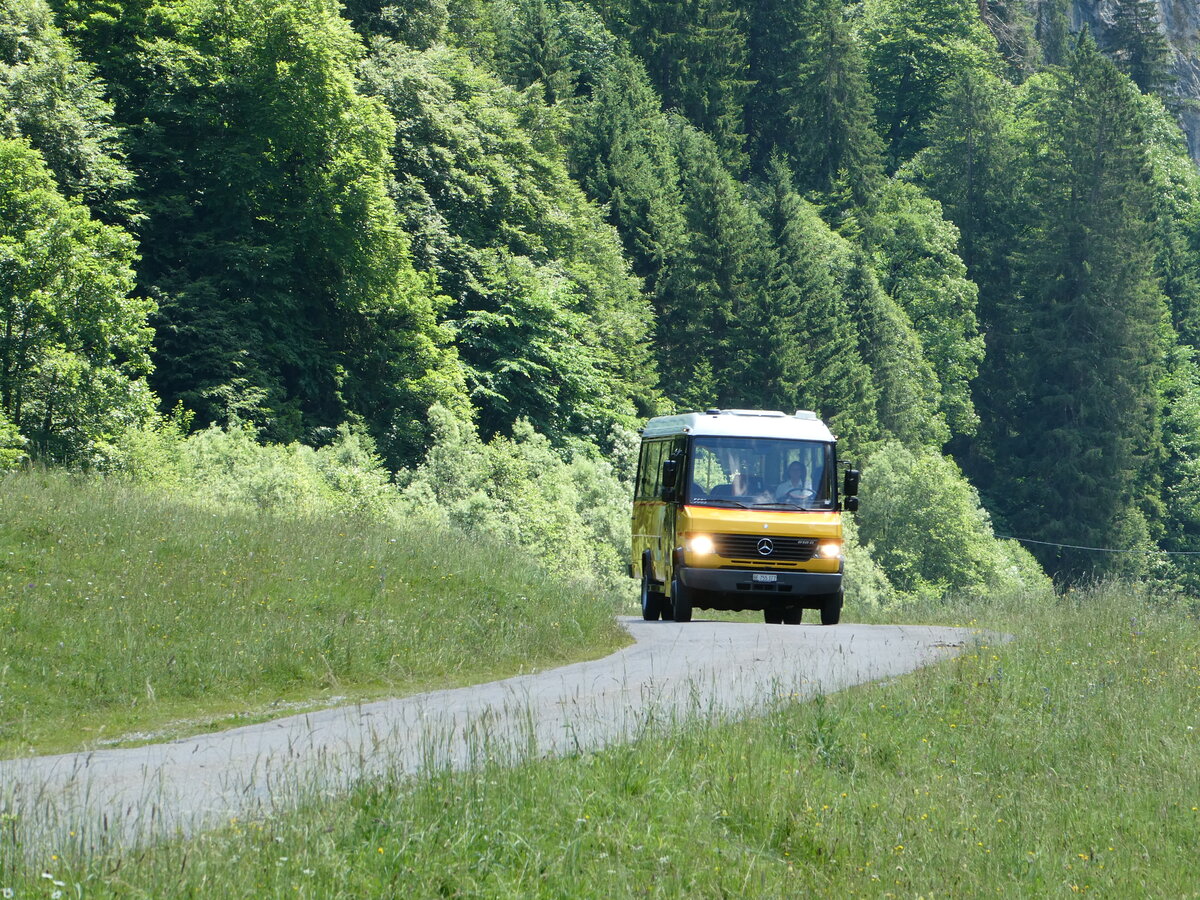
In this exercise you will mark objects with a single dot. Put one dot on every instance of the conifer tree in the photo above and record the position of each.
(535, 52)
(1083, 333)
(831, 107)
(622, 152)
(810, 99)
(1139, 46)
(771, 35)
(1176, 191)
(971, 169)
(908, 389)
(708, 305)
(968, 167)
(696, 56)
(1053, 30)
(808, 353)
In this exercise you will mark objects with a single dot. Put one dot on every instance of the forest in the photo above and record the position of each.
(442, 258)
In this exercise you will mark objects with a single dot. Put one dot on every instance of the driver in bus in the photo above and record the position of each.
(796, 486)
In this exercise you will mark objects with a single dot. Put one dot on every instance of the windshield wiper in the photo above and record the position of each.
(783, 503)
(709, 501)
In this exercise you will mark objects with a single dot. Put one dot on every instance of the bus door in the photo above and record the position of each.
(677, 453)
(654, 517)
(648, 506)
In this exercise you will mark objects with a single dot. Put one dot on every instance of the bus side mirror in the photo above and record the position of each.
(850, 484)
(670, 471)
(850, 490)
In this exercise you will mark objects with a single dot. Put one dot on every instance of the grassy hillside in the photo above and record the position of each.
(1061, 763)
(125, 613)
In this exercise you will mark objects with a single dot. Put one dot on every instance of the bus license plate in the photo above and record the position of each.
(764, 577)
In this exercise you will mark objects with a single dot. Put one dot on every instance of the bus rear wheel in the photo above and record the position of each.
(793, 615)
(652, 601)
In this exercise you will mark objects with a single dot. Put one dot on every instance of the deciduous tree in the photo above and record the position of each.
(549, 322)
(54, 99)
(916, 253)
(914, 50)
(74, 343)
(287, 294)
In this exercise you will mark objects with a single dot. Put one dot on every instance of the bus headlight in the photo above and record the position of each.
(701, 544)
(829, 550)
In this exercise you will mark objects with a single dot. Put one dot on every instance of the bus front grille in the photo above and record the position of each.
(763, 548)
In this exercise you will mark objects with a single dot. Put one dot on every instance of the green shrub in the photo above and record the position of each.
(921, 531)
(569, 509)
(231, 468)
(149, 453)
(921, 520)
(572, 514)
(867, 585)
(12, 445)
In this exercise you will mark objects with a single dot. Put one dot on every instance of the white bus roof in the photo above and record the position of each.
(803, 426)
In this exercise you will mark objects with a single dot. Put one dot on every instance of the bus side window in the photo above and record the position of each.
(678, 452)
(639, 487)
(645, 470)
(650, 471)
(656, 460)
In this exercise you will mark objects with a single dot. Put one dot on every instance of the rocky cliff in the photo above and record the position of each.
(1180, 22)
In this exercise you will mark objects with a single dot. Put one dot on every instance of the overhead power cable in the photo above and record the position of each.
(1009, 537)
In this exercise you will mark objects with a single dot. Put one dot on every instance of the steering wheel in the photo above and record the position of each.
(798, 493)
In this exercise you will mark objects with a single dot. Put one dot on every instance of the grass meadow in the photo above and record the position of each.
(125, 615)
(1065, 762)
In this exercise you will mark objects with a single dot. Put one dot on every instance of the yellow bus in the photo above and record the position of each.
(738, 509)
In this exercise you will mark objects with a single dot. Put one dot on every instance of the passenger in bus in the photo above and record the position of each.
(745, 485)
(797, 485)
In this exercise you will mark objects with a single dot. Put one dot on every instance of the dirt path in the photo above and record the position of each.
(671, 671)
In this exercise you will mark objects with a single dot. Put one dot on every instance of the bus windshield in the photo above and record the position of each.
(760, 473)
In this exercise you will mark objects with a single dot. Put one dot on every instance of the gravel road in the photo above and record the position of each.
(671, 672)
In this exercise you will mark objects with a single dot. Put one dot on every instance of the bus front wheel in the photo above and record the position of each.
(831, 608)
(681, 601)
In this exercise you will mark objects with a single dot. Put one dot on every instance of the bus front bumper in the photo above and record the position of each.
(769, 586)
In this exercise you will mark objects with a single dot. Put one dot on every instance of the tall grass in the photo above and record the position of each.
(1062, 763)
(122, 611)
